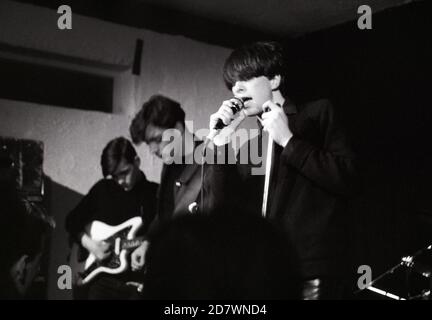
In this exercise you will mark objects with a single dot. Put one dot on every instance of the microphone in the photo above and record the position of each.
(238, 105)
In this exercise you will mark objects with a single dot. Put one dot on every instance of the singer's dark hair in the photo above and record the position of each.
(113, 153)
(255, 60)
(159, 111)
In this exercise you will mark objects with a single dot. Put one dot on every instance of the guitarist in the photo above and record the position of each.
(122, 194)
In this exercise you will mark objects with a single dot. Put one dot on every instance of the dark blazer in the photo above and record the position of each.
(186, 191)
(199, 189)
(312, 180)
(186, 195)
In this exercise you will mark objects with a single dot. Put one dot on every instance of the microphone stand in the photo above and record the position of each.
(406, 261)
(268, 171)
(370, 286)
(267, 176)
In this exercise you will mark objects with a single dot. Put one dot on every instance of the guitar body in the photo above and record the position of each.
(85, 266)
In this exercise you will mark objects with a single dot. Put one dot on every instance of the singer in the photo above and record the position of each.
(312, 172)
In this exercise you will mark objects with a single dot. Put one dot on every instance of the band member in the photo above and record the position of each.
(161, 125)
(313, 166)
(124, 193)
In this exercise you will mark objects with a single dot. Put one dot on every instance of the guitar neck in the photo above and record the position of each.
(133, 243)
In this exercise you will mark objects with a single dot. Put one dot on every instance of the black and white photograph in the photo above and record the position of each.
(215, 157)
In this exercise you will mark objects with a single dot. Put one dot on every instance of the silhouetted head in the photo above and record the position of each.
(218, 257)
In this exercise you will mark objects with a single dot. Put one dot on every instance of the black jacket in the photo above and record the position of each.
(179, 192)
(190, 188)
(311, 180)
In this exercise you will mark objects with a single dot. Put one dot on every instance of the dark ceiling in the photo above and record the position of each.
(225, 22)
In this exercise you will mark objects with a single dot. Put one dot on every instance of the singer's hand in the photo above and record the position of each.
(275, 122)
(224, 113)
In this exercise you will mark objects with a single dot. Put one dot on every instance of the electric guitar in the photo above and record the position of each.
(121, 238)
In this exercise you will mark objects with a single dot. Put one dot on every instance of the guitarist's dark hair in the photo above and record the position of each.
(116, 150)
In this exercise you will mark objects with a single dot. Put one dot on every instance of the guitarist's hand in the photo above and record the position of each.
(138, 255)
(100, 249)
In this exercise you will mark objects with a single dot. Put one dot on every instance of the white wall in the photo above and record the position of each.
(183, 69)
